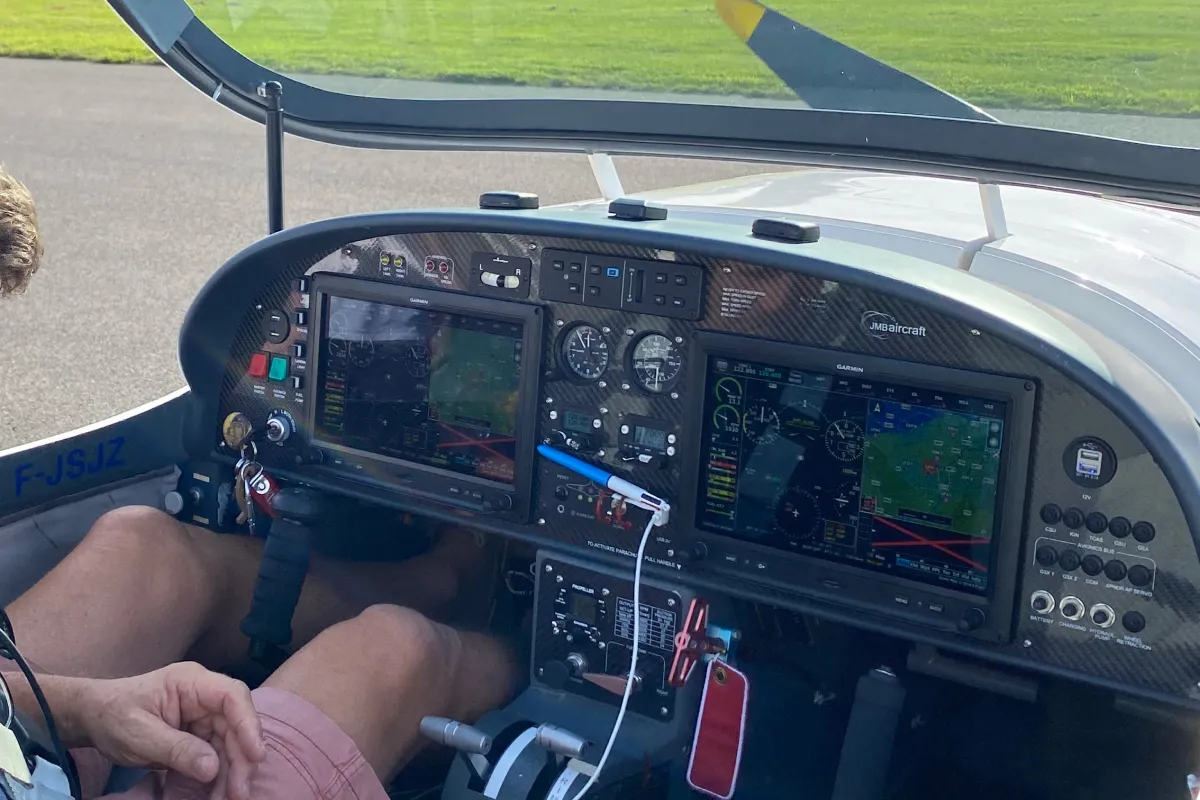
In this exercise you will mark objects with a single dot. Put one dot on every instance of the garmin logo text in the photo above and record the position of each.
(849, 368)
(881, 325)
(418, 301)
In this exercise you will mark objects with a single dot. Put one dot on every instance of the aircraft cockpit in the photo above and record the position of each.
(778, 507)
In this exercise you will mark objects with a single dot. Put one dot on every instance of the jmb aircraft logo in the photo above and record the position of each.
(881, 325)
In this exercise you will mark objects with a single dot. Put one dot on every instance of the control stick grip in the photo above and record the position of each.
(280, 580)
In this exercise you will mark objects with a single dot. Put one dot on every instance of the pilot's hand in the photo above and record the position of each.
(183, 718)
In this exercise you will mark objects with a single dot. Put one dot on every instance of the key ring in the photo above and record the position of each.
(251, 480)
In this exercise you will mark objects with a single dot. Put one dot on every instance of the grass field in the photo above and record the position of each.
(1104, 55)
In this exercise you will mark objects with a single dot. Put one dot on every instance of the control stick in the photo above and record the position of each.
(281, 575)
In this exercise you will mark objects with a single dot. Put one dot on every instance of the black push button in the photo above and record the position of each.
(1069, 560)
(1050, 514)
(1092, 564)
(1096, 522)
(1115, 570)
(1143, 531)
(660, 299)
(1133, 621)
(1140, 575)
(1119, 527)
(660, 277)
(1047, 556)
(678, 302)
(1073, 517)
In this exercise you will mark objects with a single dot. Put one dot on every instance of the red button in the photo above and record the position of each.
(258, 365)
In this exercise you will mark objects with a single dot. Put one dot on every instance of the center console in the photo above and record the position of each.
(583, 635)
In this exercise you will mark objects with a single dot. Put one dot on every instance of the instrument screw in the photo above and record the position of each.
(558, 578)
(559, 323)
(604, 592)
(629, 331)
(1027, 643)
(664, 711)
(549, 568)
(671, 602)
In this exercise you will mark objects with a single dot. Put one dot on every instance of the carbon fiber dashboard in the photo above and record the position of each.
(1115, 547)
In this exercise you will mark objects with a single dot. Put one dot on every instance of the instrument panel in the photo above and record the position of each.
(824, 446)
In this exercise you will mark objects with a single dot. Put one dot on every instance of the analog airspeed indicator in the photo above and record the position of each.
(585, 352)
(655, 362)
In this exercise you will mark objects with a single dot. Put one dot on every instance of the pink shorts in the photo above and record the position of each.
(308, 758)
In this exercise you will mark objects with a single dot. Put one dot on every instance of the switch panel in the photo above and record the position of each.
(662, 288)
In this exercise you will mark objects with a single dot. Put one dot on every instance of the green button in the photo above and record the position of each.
(279, 366)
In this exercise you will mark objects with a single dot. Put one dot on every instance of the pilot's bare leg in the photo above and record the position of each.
(377, 675)
(143, 590)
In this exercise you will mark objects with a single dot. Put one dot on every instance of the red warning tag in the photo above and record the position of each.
(720, 732)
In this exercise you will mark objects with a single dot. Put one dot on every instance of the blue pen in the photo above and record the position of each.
(635, 494)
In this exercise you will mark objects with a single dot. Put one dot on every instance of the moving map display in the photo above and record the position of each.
(433, 388)
(891, 478)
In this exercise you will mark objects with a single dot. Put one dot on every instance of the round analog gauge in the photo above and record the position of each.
(844, 440)
(416, 358)
(585, 352)
(846, 500)
(726, 419)
(656, 362)
(729, 391)
(339, 327)
(760, 423)
(797, 514)
(362, 352)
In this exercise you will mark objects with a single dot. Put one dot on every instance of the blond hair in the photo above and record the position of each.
(20, 245)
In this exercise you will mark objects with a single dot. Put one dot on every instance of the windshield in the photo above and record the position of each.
(1107, 67)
